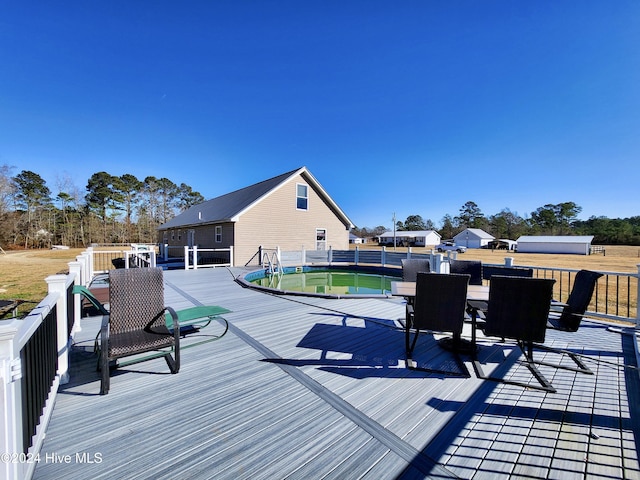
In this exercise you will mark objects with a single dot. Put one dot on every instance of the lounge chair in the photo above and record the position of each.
(473, 268)
(518, 309)
(98, 308)
(439, 305)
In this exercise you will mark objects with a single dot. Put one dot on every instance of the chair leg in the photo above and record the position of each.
(105, 381)
(545, 385)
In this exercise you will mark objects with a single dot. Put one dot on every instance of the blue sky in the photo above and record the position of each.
(409, 107)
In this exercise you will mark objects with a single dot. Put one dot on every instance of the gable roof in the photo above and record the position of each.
(229, 207)
(477, 232)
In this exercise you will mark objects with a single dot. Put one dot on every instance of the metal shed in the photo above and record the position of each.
(579, 245)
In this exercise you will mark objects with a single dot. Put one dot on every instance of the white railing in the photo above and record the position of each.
(34, 361)
(195, 257)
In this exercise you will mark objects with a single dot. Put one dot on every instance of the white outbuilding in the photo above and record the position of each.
(578, 245)
(473, 238)
(413, 238)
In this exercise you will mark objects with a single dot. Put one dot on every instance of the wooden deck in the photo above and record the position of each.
(315, 388)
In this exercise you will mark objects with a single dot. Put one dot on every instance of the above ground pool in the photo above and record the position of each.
(326, 281)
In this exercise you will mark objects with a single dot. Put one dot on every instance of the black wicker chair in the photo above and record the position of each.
(518, 309)
(473, 268)
(136, 323)
(489, 271)
(411, 267)
(573, 310)
(439, 305)
(570, 316)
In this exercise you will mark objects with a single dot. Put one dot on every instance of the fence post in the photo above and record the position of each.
(508, 261)
(11, 395)
(439, 263)
(231, 261)
(383, 256)
(58, 284)
(408, 253)
(186, 257)
(330, 255)
(195, 257)
(356, 258)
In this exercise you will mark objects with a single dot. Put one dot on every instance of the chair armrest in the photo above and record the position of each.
(171, 313)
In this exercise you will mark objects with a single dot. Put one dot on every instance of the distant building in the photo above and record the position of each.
(355, 239)
(579, 245)
(290, 211)
(473, 238)
(408, 238)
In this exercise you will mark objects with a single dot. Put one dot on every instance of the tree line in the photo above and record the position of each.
(112, 209)
(550, 219)
(125, 209)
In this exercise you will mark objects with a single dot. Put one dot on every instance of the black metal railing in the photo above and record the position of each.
(39, 358)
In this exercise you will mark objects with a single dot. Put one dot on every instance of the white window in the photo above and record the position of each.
(218, 233)
(302, 197)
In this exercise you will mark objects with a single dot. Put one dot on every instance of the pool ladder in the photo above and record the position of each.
(274, 267)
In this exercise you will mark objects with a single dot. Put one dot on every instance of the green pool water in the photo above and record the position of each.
(329, 282)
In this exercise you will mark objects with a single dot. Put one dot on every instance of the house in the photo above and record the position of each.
(355, 239)
(580, 245)
(473, 238)
(416, 238)
(290, 211)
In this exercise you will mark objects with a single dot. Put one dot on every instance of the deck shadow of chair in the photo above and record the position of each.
(439, 306)
(473, 268)
(568, 316)
(518, 309)
(136, 323)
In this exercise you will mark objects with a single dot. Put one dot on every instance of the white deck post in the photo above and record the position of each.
(11, 395)
(508, 261)
(58, 284)
(195, 257)
(186, 257)
(231, 260)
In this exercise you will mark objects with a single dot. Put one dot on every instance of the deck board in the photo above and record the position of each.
(317, 388)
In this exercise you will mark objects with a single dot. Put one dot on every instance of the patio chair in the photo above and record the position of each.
(411, 267)
(489, 271)
(136, 323)
(518, 309)
(473, 268)
(573, 310)
(439, 305)
(569, 317)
